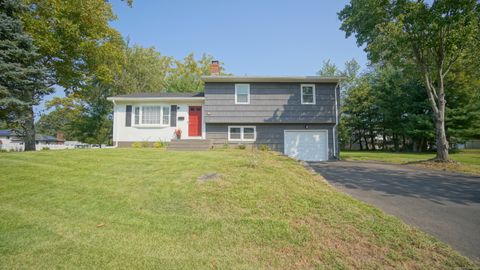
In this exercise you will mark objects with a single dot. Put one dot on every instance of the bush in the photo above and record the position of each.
(137, 145)
(140, 144)
(225, 146)
(242, 146)
(263, 147)
(159, 145)
(45, 148)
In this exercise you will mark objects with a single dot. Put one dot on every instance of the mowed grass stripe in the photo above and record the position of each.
(264, 211)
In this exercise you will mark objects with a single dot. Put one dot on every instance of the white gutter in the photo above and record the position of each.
(154, 98)
(114, 126)
(292, 79)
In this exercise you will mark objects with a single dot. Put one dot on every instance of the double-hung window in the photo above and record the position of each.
(242, 133)
(152, 115)
(242, 94)
(308, 93)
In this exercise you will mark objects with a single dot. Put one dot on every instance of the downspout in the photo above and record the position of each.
(336, 123)
(114, 126)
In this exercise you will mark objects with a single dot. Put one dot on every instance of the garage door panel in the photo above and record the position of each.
(307, 145)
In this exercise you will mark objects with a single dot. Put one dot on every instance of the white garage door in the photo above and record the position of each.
(308, 145)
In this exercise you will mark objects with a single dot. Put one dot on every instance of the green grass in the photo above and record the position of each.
(265, 211)
(467, 160)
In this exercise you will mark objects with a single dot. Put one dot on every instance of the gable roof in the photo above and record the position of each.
(38, 137)
(5, 132)
(291, 79)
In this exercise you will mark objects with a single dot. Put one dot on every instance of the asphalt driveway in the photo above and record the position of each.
(445, 205)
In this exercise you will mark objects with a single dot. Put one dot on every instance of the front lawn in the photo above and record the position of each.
(145, 208)
(468, 161)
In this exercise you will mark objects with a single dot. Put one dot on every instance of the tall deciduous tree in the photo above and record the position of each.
(143, 70)
(23, 79)
(432, 36)
(75, 39)
(186, 75)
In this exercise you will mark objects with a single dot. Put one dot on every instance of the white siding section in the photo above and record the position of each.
(121, 133)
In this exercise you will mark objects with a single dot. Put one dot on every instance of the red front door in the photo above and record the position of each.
(194, 121)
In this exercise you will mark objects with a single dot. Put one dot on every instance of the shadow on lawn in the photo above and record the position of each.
(437, 187)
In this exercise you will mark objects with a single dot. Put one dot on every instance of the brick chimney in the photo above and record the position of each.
(215, 68)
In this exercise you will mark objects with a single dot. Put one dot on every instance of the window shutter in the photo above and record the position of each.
(128, 116)
(173, 116)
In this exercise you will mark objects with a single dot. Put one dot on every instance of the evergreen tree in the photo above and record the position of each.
(23, 79)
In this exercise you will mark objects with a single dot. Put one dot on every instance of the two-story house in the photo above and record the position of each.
(295, 115)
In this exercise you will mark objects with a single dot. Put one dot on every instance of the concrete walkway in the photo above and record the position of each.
(445, 205)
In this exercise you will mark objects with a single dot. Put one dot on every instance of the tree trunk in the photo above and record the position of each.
(366, 142)
(29, 131)
(360, 142)
(384, 144)
(441, 140)
(395, 142)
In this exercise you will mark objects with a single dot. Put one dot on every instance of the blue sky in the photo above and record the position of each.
(262, 37)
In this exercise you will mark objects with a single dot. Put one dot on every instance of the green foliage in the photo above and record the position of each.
(388, 103)
(263, 147)
(85, 115)
(329, 69)
(186, 75)
(159, 144)
(24, 79)
(463, 111)
(144, 70)
(431, 37)
(242, 146)
(75, 39)
(137, 145)
(64, 112)
(45, 148)
(350, 74)
(226, 145)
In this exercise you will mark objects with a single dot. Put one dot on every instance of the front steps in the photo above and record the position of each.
(190, 145)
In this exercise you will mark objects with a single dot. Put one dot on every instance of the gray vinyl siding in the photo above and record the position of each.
(269, 134)
(269, 103)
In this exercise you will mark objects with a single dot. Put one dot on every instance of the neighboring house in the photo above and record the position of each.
(9, 139)
(294, 115)
(471, 144)
(6, 136)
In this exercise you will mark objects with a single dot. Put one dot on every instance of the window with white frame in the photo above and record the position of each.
(137, 115)
(242, 133)
(152, 115)
(308, 93)
(242, 93)
(166, 115)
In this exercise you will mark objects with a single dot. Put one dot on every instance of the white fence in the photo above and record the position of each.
(39, 146)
